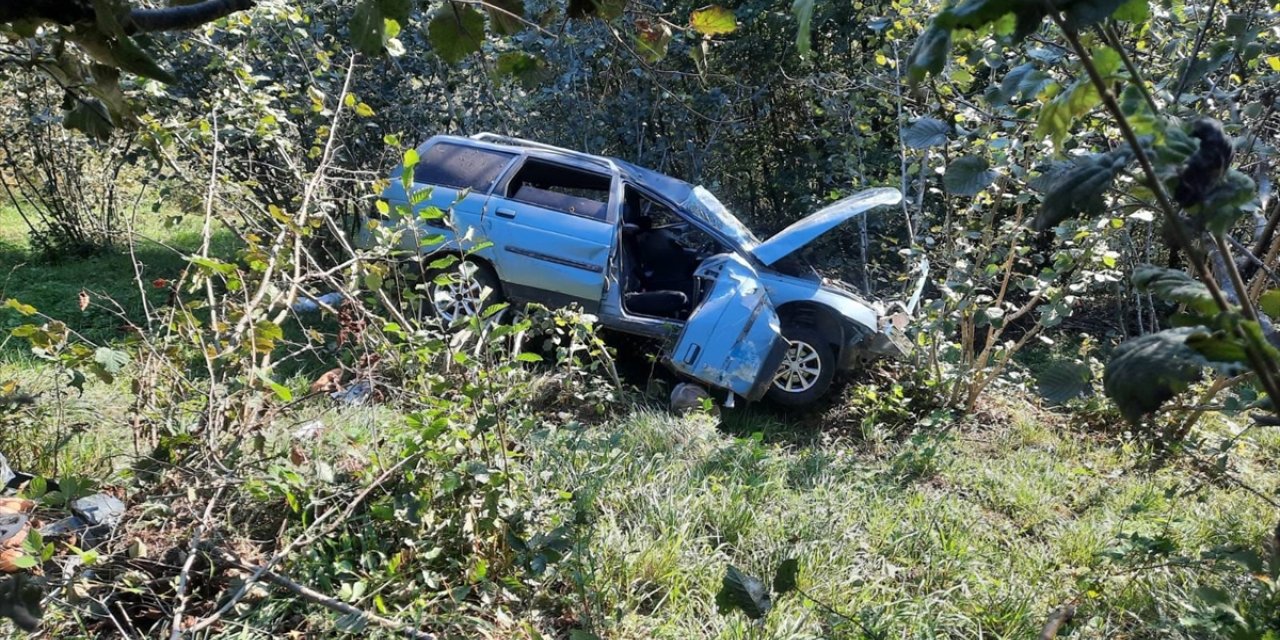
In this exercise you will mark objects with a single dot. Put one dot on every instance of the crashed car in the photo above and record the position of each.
(649, 254)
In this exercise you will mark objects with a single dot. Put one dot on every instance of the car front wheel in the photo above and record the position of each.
(806, 371)
(469, 289)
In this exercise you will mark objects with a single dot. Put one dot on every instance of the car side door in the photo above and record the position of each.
(455, 180)
(553, 225)
(733, 338)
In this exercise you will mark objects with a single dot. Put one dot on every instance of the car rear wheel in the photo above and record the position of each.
(470, 289)
(806, 371)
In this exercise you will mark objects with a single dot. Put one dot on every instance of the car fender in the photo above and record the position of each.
(783, 290)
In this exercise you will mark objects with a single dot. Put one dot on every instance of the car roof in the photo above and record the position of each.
(672, 188)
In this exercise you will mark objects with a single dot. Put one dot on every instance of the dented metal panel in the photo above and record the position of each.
(733, 339)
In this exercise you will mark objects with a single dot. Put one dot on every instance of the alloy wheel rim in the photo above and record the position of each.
(800, 368)
(461, 297)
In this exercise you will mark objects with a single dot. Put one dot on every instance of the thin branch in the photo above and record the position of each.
(313, 533)
(311, 595)
(183, 18)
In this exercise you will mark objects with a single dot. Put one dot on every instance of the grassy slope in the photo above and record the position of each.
(53, 287)
(977, 530)
(1006, 523)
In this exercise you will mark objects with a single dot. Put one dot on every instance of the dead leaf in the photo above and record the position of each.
(84, 299)
(328, 382)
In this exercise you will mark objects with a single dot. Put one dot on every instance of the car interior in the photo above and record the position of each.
(560, 188)
(660, 252)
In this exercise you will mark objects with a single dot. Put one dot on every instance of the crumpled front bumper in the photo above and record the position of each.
(890, 341)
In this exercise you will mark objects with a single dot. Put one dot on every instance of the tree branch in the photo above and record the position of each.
(69, 12)
(311, 595)
(185, 17)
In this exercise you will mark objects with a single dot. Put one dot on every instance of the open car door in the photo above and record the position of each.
(732, 340)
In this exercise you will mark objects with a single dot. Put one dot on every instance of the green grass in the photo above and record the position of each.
(53, 286)
(973, 529)
(1018, 519)
(91, 441)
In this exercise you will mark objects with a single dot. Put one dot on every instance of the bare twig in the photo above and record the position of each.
(311, 595)
(314, 532)
(184, 576)
(1059, 617)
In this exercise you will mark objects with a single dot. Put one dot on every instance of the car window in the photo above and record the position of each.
(560, 188)
(453, 165)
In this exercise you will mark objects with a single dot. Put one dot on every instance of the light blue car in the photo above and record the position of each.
(648, 254)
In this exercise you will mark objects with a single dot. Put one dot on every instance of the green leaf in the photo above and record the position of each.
(1220, 348)
(1228, 202)
(130, 57)
(1063, 381)
(1147, 371)
(112, 361)
(605, 9)
(281, 391)
(213, 265)
(455, 32)
(90, 117)
(713, 20)
(528, 70)
(967, 176)
(803, 11)
(265, 335)
(22, 601)
(652, 39)
(1270, 303)
(784, 579)
(24, 309)
(1237, 24)
(746, 593)
(368, 27)
(529, 357)
(506, 16)
(1172, 285)
(397, 10)
(1136, 11)
(24, 561)
(1086, 13)
(925, 133)
(929, 55)
(1080, 189)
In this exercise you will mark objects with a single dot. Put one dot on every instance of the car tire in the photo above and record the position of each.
(460, 297)
(807, 370)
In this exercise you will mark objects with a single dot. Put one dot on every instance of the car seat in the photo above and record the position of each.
(639, 296)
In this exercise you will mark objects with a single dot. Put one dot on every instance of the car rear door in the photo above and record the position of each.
(553, 224)
(456, 179)
(733, 339)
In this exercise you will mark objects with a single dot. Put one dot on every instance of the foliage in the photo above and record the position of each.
(1049, 157)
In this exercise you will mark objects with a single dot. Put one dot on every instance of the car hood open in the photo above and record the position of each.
(808, 229)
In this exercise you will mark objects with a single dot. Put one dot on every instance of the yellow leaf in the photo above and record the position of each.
(714, 20)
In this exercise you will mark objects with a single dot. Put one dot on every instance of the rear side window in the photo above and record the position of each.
(561, 188)
(453, 165)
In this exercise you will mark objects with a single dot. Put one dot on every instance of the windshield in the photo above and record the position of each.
(710, 211)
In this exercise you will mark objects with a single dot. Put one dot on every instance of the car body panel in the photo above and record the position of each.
(543, 250)
(809, 228)
(459, 229)
(733, 340)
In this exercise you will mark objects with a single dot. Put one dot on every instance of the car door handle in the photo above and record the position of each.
(691, 354)
(506, 213)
